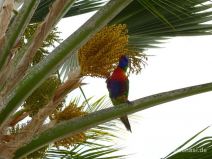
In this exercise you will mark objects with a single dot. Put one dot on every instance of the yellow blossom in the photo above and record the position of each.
(100, 55)
(71, 111)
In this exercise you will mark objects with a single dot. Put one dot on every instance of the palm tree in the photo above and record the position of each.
(133, 25)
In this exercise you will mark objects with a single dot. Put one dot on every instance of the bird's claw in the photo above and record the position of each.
(130, 103)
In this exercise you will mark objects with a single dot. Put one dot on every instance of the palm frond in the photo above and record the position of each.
(150, 22)
(79, 7)
(103, 132)
(199, 149)
(69, 65)
(99, 152)
(97, 137)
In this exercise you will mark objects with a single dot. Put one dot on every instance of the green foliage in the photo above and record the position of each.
(201, 149)
(39, 56)
(78, 8)
(99, 152)
(42, 95)
(150, 22)
(96, 138)
(15, 30)
(39, 154)
(98, 117)
(50, 42)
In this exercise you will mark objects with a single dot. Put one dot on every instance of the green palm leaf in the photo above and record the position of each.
(97, 137)
(150, 21)
(102, 116)
(201, 149)
(99, 152)
(186, 18)
(79, 7)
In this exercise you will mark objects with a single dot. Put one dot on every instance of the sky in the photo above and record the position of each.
(180, 62)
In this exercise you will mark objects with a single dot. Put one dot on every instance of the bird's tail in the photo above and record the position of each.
(126, 123)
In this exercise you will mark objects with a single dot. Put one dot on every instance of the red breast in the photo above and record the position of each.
(118, 74)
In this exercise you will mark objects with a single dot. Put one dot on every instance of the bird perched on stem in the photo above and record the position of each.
(118, 87)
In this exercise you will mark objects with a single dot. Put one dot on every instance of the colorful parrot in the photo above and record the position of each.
(118, 87)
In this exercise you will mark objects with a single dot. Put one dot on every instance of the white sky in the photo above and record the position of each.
(182, 62)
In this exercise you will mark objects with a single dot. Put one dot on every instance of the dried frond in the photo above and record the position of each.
(7, 76)
(42, 31)
(5, 16)
(70, 112)
(40, 153)
(53, 99)
(37, 39)
(17, 129)
(7, 138)
(73, 82)
(12, 132)
(18, 116)
(100, 55)
(48, 42)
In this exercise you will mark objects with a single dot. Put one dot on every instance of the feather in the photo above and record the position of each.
(118, 87)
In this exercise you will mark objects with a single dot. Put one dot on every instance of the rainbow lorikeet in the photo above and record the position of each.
(118, 87)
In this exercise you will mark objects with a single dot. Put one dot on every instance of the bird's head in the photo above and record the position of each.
(123, 62)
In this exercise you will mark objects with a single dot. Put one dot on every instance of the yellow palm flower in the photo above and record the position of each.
(70, 112)
(100, 55)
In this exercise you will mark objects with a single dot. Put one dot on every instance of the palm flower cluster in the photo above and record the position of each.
(100, 55)
(42, 95)
(70, 112)
(49, 42)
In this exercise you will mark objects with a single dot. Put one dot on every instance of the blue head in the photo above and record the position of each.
(123, 62)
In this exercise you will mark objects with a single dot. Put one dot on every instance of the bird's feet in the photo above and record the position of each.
(129, 102)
